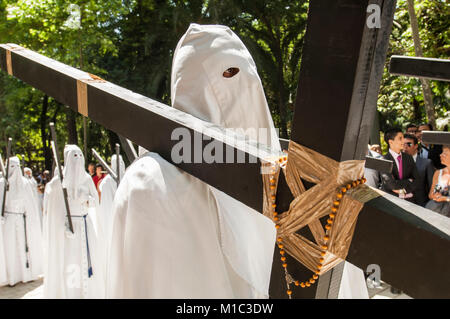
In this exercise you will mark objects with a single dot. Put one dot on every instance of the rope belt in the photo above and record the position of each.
(27, 263)
(90, 271)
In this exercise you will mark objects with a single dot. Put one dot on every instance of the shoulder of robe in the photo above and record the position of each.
(147, 172)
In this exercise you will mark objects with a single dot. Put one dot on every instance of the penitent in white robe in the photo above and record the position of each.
(173, 235)
(108, 188)
(33, 185)
(3, 275)
(74, 267)
(22, 237)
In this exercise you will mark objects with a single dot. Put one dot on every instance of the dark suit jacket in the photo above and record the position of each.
(392, 181)
(426, 170)
(434, 152)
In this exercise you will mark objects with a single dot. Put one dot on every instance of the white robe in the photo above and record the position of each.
(67, 255)
(173, 235)
(3, 274)
(21, 229)
(175, 248)
(33, 186)
(108, 188)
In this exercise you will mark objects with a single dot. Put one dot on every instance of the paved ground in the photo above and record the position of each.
(29, 290)
(34, 290)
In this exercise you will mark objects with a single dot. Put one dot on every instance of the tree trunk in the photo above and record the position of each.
(427, 95)
(43, 124)
(71, 126)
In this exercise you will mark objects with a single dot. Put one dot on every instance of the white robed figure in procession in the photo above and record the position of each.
(74, 267)
(108, 188)
(28, 174)
(174, 236)
(21, 227)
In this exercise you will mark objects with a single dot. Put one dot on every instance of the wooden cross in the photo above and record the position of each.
(342, 64)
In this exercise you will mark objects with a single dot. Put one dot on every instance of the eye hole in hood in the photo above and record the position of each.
(230, 72)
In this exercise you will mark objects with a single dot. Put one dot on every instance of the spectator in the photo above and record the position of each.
(404, 179)
(439, 192)
(424, 167)
(411, 129)
(429, 151)
(98, 174)
(44, 177)
(91, 169)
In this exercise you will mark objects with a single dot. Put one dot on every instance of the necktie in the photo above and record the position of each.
(400, 166)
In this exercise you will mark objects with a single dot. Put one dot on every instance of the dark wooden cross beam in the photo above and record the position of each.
(341, 70)
(435, 137)
(429, 68)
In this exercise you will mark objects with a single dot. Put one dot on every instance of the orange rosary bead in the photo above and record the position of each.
(307, 284)
(284, 265)
(332, 215)
(281, 252)
(327, 227)
(323, 253)
(349, 186)
(277, 226)
(336, 203)
(280, 246)
(297, 283)
(326, 238)
(330, 221)
(324, 247)
(315, 276)
(302, 284)
(334, 209)
(279, 239)
(339, 195)
(312, 281)
(343, 189)
(289, 292)
(321, 260)
(283, 258)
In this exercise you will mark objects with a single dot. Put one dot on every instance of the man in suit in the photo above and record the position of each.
(404, 179)
(424, 166)
(429, 151)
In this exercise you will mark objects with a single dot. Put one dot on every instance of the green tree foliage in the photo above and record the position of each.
(401, 100)
(131, 43)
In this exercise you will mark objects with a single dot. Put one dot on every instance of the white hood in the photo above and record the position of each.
(14, 174)
(198, 86)
(74, 172)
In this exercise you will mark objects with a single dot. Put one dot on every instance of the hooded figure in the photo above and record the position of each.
(108, 188)
(73, 268)
(173, 235)
(33, 184)
(22, 238)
